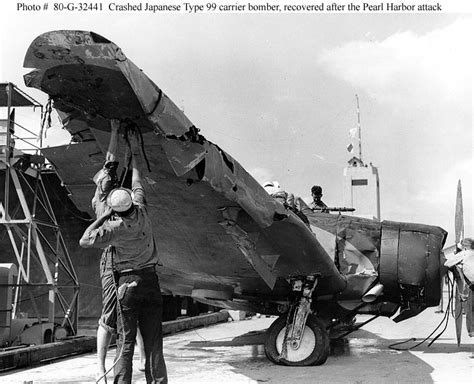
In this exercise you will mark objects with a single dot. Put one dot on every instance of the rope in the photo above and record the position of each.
(134, 128)
(142, 145)
(46, 121)
(445, 320)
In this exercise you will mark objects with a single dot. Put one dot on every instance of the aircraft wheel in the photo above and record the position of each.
(313, 349)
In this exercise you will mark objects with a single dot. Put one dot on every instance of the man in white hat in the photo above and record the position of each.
(134, 262)
(463, 263)
(464, 259)
(106, 180)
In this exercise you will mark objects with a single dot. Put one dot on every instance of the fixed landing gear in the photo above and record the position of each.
(298, 337)
(312, 349)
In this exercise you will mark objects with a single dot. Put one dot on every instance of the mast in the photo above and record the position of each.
(359, 129)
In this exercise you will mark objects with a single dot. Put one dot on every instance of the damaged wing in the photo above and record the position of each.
(221, 234)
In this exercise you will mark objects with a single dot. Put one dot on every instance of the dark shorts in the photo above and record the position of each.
(108, 318)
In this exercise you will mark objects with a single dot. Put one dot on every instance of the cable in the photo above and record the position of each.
(444, 320)
(46, 121)
(200, 336)
(132, 127)
(450, 302)
(142, 145)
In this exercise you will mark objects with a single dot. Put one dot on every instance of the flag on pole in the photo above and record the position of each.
(350, 148)
(353, 132)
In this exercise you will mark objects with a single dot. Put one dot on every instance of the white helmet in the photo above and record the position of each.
(119, 199)
(272, 187)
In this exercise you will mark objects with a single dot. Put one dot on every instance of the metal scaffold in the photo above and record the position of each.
(42, 266)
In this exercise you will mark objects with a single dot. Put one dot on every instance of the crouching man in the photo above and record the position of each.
(134, 262)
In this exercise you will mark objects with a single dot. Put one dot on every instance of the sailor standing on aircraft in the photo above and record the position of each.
(134, 262)
(274, 190)
(288, 200)
(106, 180)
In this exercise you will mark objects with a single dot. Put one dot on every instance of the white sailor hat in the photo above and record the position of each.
(119, 199)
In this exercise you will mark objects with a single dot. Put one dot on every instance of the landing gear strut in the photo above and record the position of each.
(298, 338)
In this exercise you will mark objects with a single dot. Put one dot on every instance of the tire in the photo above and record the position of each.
(313, 349)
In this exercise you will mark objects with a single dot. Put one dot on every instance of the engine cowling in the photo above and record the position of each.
(410, 261)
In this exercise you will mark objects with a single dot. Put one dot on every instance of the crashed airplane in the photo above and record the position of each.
(222, 239)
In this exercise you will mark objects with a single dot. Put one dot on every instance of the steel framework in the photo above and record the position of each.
(27, 215)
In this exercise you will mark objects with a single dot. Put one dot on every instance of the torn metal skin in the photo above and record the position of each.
(249, 249)
(218, 229)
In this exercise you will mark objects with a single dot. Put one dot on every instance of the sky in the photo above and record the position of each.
(278, 92)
